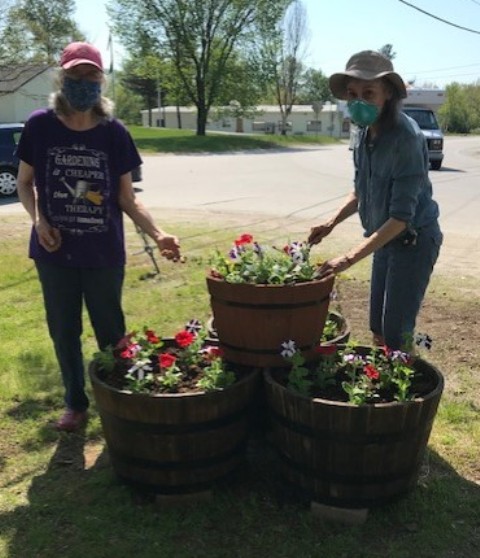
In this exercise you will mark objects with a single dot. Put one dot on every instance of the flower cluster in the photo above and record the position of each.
(142, 362)
(250, 262)
(358, 375)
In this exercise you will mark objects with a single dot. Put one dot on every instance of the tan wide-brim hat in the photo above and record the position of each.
(367, 65)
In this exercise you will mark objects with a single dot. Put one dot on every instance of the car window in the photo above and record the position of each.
(5, 137)
(10, 137)
(425, 119)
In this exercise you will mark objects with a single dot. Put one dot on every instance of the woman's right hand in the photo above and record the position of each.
(318, 233)
(48, 236)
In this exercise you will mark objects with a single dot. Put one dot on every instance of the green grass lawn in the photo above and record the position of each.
(60, 498)
(161, 140)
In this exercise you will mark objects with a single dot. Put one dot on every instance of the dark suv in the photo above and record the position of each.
(9, 136)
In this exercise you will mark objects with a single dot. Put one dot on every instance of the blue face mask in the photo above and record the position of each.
(82, 94)
(362, 113)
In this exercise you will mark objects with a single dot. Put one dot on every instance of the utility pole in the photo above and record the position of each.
(111, 70)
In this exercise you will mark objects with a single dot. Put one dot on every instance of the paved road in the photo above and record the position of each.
(308, 183)
(304, 186)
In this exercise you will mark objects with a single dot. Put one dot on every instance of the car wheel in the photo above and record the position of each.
(436, 165)
(8, 182)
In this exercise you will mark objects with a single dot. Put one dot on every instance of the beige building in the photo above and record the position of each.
(24, 89)
(332, 120)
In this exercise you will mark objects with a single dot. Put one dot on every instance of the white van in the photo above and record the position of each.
(427, 121)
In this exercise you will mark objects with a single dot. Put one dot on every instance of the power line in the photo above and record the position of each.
(445, 69)
(439, 18)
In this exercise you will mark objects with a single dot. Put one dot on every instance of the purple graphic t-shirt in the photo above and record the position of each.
(77, 177)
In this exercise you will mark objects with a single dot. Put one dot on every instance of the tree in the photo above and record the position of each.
(198, 36)
(387, 51)
(283, 49)
(37, 31)
(314, 88)
(241, 90)
(140, 75)
(457, 114)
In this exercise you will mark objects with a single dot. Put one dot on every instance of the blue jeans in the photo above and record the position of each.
(400, 276)
(64, 291)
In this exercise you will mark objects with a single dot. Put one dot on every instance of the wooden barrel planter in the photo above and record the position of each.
(342, 337)
(175, 443)
(252, 321)
(352, 456)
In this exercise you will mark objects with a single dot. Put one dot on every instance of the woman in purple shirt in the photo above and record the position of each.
(393, 196)
(74, 180)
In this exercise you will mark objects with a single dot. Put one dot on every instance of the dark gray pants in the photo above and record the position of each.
(64, 291)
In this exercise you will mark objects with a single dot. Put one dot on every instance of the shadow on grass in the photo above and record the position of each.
(215, 145)
(75, 508)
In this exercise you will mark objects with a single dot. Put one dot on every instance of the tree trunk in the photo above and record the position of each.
(179, 116)
(202, 114)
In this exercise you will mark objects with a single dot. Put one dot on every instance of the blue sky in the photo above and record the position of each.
(427, 49)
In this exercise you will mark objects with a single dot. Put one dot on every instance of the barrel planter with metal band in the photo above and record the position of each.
(342, 335)
(175, 443)
(352, 456)
(252, 321)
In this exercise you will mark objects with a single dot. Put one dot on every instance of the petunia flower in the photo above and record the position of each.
(244, 239)
(423, 340)
(151, 336)
(140, 368)
(213, 352)
(184, 338)
(131, 351)
(193, 326)
(289, 349)
(166, 360)
(371, 372)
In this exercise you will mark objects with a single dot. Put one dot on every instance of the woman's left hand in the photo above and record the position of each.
(169, 247)
(334, 266)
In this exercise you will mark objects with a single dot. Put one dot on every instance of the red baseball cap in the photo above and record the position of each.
(80, 53)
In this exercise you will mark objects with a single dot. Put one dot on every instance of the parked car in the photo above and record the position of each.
(9, 137)
(426, 120)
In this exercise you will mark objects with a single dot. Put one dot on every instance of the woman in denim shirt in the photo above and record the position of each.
(393, 196)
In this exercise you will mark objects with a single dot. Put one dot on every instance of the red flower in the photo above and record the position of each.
(166, 360)
(244, 239)
(371, 372)
(130, 351)
(214, 352)
(125, 341)
(184, 338)
(326, 349)
(151, 337)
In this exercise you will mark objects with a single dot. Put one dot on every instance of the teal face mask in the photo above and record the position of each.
(362, 113)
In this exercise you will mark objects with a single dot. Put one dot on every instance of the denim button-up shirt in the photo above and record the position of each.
(391, 177)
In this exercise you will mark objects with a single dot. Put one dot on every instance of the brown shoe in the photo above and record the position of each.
(71, 420)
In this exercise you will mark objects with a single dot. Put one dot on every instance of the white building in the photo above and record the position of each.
(24, 89)
(303, 120)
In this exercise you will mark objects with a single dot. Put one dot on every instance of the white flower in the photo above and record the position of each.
(289, 349)
(423, 340)
(193, 326)
(141, 367)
